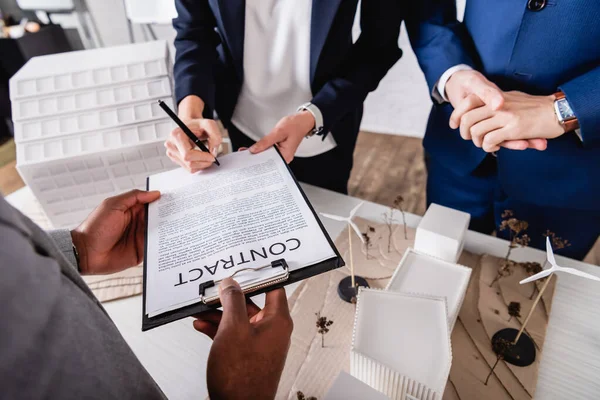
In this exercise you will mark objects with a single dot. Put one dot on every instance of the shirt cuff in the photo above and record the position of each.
(62, 239)
(316, 113)
(439, 89)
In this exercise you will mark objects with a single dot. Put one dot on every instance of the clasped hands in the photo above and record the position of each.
(492, 118)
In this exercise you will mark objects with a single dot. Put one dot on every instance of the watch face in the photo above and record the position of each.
(565, 109)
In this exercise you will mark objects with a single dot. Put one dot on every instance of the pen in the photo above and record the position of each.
(185, 129)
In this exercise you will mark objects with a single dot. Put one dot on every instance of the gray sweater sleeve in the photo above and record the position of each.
(62, 239)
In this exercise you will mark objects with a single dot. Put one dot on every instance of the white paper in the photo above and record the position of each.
(245, 213)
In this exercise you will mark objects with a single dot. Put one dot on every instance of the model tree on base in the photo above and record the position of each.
(323, 325)
(517, 237)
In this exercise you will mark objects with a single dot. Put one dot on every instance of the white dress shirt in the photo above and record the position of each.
(276, 70)
(439, 90)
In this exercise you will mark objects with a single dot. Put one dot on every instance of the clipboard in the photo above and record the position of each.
(206, 290)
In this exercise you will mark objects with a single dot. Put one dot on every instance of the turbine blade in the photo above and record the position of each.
(550, 253)
(577, 272)
(334, 217)
(537, 276)
(355, 209)
(358, 232)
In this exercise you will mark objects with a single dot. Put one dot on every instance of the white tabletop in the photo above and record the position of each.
(176, 355)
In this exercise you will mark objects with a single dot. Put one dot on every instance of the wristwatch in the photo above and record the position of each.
(316, 113)
(564, 113)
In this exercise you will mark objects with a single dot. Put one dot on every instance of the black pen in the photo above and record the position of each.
(185, 129)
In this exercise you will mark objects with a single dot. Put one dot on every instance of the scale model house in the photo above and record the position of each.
(88, 126)
(423, 274)
(401, 344)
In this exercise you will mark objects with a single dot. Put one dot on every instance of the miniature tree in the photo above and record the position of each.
(517, 237)
(532, 268)
(389, 220)
(501, 347)
(323, 325)
(301, 396)
(514, 310)
(558, 243)
(398, 205)
(368, 244)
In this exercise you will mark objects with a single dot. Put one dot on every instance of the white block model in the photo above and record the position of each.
(88, 126)
(441, 232)
(347, 387)
(423, 274)
(401, 344)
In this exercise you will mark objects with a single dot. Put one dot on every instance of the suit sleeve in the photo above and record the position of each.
(64, 242)
(583, 94)
(368, 61)
(196, 51)
(439, 41)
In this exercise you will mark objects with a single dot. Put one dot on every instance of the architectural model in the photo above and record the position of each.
(441, 232)
(426, 275)
(401, 344)
(87, 125)
(346, 387)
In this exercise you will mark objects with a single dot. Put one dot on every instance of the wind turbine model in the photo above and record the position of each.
(345, 291)
(554, 267)
(526, 350)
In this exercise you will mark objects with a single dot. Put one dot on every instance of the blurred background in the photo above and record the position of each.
(399, 107)
(388, 160)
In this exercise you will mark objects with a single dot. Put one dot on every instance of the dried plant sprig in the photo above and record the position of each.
(301, 396)
(558, 243)
(389, 219)
(323, 325)
(505, 269)
(532, 268)
(514, 310)
(368, 244)
(399, 205)
(501, 347)
(516, 232)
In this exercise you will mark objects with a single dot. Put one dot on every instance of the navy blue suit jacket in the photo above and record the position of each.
(210, 54)
(536, 52)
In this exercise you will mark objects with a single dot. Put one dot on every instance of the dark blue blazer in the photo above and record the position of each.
(210, 54)
(537, 52)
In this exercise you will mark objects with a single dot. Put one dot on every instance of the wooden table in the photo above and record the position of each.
(175, 354)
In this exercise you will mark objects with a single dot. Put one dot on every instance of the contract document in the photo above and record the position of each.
(237, 220)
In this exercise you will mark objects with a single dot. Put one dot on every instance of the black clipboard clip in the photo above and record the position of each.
(280, 272)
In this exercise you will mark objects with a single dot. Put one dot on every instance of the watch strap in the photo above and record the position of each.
(570, 124)
(316, 113)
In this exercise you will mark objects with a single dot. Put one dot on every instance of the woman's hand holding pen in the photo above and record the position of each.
(180, 148)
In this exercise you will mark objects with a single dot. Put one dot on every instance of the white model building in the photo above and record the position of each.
(88, 126)
(401, 344)
(441, 232)
(423, 274)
